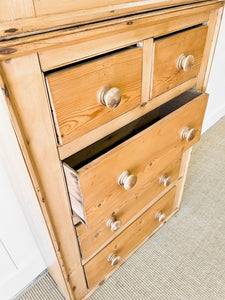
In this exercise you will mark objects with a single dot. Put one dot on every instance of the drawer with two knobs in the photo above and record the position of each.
(117, 251)
(111, 181)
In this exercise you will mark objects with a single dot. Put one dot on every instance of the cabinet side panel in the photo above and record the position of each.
(28, 100)
(211, 40)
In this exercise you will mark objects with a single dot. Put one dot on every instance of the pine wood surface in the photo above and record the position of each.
(11, 10)
(159, 145)
(124, 31)
(212, 36)
(148, 58)
(182, 175)
(27, 17)
(167, 51)
(126, 205)
(160, 137)
(35, 123)
(104, 130)
(99, 266)
(74, 92)
(44, 7)
(30, 111)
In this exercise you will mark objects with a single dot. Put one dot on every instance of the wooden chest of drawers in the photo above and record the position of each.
(106, 114)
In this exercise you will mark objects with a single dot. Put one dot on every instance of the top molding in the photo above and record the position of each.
(26, 17)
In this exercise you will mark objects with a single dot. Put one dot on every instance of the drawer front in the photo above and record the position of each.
(109, 217)
(98, 180)
(88, 95)
(129, 239)
(147, 156)
(177, 58)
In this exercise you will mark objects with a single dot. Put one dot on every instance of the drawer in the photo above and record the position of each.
(93, 174)
(109, 218)
(129, 240)
(177, 58)
(92, 93)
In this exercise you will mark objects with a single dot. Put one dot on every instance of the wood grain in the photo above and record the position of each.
(48, 21)
(14, 10)
(46, 7)
(155, 147)
(104, 130)
(148, 51)
(74, 92)
(129, 239)
(167, 50)
(31, 116)
(115, 33)
(214, 23)
(183, 174)
(126, 205)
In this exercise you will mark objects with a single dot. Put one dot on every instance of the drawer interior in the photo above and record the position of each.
(81, 158)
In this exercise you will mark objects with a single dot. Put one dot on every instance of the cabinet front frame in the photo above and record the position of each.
(23, 86)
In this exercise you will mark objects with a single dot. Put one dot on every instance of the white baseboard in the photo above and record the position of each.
(22, 277)
(212, 118)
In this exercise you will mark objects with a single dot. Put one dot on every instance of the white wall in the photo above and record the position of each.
(216, 85)
(20, 258)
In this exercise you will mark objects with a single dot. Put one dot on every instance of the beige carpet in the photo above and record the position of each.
(186, 258)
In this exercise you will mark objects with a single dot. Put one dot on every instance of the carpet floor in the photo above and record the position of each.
(185, 259)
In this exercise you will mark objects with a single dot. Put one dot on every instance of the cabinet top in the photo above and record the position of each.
(26, 17)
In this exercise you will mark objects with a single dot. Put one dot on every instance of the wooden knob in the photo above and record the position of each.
(114, 224)
(185, 62)
(166, 180)
(109, 96)
(114, 259)
(127, 180)
(161, 217)
(188, 134)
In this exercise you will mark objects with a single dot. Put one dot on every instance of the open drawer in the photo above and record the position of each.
(114, 172)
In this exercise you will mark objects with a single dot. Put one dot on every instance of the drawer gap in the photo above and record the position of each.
(180, 31)
(117, 137)
(89, 59)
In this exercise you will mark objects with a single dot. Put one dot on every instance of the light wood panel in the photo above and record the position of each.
(183, 174)
(155, 145)
(74, 92)
(168, 50)
(125, 30)
(98, 267)
(14, 10)
(148, 50)
(125, 206)
(212, 36)
(29, 105)
(70, 18)
(45, 7)
(102, 131)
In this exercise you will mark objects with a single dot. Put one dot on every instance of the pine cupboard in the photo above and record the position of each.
(107, 100)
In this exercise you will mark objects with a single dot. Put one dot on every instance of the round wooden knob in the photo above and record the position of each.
(114, 259)
(188, 134)
(114, 224)
(109, 96)
(185, 62)
(161, 217)
(166, 180)
(127, 180)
